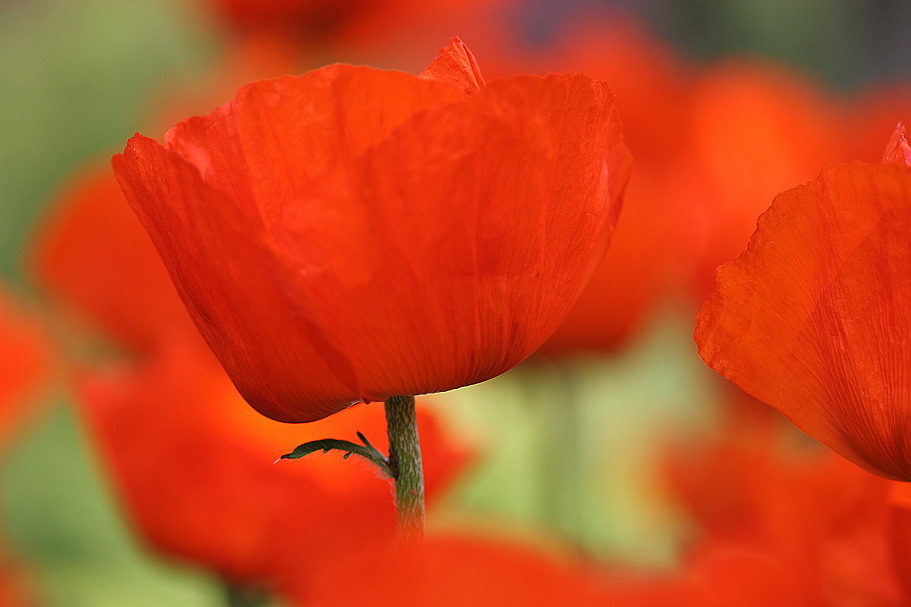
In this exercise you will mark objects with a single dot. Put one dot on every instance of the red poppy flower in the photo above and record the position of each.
(194, 468)
(285, 14)
(174, 426)
(365, 23)
(813, 318)
(356, 234)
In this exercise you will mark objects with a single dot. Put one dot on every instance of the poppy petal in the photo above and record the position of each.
(509, 248)
(239, 308)
(458, 66)
(813, 317)
(279, 134)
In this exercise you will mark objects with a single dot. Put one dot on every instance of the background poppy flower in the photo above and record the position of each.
(332, 250)
(754, 130)
(641, 268)
(194, 469)
(813, 317)
(25, 367)
(95, 258)
(779, 515)
(449, 569)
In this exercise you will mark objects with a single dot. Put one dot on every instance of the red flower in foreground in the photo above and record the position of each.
(172, 431)
(814, 318)
(357, 234)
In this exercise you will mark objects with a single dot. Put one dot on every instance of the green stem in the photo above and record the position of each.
(239, 596)
(405, 463)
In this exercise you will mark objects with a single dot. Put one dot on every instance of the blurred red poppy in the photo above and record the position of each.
(755, 129)
(364, 27)
(357, 234)
(294, 16)
(94, 256)
(456, 570)
(780, 522)
(813, 318)
(16, 586)
(635, 275)
(194, 467)
(899, 533)
(25, 364)
(25, 367)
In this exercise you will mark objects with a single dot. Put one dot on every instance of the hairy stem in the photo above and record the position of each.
(405, 463)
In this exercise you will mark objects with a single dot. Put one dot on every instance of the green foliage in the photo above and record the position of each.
(76, 80)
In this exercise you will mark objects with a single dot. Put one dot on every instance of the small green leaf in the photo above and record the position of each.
(367, 451)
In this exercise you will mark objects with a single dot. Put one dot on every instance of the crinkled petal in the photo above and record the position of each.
(469, 232)
(813, 318)
(278, 135)
(458, 66)
(226, 275)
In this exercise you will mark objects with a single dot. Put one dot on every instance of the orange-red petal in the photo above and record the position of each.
(458, 66)
(813, 318)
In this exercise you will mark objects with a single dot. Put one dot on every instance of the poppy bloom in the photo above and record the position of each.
(783, 130)
(804, 523)
(193, 466)
(290, 15)
(170, 423)
(355, 234)
(814, 317)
